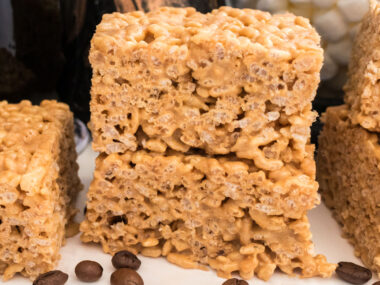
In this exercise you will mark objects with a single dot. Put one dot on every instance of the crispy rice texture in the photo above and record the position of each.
(362, 91)
(183, 79)
(349, 177)
(38, 185)
(197, 210)
(203, 127)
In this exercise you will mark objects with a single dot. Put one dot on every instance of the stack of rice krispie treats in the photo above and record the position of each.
(38, 185)
(349, 148)
(202, 125)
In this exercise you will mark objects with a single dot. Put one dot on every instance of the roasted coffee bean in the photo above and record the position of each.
(55, 277)
(125, 259)
(353, 273)
(231, 281)
(235, 281)
(88, 271)
(126, 276)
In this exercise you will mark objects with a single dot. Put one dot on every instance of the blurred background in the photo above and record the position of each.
(44, 44)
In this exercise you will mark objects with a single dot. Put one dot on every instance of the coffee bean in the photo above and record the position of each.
(126, 276)
(125, 259)
(88, 271)
(235, 281)
(353, 273)
(55, 277)
(231, 281)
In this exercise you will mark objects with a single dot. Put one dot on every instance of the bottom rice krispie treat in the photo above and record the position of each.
(198, 211)
(38, 185)
(349, 176)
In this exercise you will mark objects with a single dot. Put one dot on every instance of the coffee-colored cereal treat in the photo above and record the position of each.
(198, 210)
(189, 80)
(38, 185)
(363, 87)
(349, 177)
(203, 127)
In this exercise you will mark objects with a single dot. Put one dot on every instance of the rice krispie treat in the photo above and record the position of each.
(363, 86)
(210, 81)
(38, 185)
(203, 123)
(349, 177)
(199, 210)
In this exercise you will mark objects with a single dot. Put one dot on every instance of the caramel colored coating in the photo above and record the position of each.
(203, 123)
(198, 210)
(363, 86)
(38, 185)
(216, 82)
(349, 177)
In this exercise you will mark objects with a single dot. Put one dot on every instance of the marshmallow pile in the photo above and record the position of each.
(337, 21)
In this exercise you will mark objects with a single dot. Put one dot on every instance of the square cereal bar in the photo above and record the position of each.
(349, 177)
(363, 86)
(38, 185)
(179, 79)
(198, 210)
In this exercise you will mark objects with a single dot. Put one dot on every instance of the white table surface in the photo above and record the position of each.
(326, 236)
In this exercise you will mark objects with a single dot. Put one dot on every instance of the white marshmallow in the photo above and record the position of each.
(302, 10)
(340, 51)
(281, 12)
(353, 10)
(329, 69)
(323, 3)
(331, 25)
(354, 31)
(300, 1)
(272, 5)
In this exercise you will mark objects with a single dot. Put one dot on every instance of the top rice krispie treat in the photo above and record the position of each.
(229, 81)
(363, 86)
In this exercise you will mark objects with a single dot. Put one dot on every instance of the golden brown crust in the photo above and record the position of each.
(349, 177)
(203, 123)
(363, 86)
(190, 80)
(38, 185)
(198, 210)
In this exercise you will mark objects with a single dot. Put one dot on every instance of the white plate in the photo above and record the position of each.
(326, 236)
